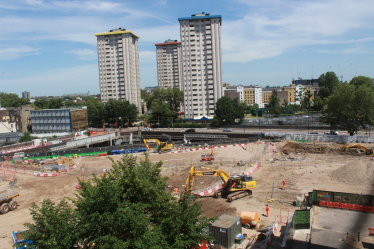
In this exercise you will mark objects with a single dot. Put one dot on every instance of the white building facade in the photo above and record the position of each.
(201, 64)
(168, 63)
(118, 56)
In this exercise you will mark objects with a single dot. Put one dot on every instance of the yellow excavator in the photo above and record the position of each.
(234, 187)
(357, 146)
(162, 147)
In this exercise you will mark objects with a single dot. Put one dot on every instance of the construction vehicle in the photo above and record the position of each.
(234, 187)
(207, 157)
(367, 151)
(6, 201)
(162, 147)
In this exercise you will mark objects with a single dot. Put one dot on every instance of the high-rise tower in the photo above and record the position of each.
(201, 65)
(168, 63)
(118, 56)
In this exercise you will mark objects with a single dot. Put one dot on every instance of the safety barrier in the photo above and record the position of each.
(348, 206)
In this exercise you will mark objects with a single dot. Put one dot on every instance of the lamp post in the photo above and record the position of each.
(308, 123)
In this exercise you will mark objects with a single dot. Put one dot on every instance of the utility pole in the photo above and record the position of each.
(158, 122)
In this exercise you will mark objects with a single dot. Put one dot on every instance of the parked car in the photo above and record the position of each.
(331, 133)
(190, 130)
(226, 129)
(314, 133)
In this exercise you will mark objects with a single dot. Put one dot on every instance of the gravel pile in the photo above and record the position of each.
(357, 173)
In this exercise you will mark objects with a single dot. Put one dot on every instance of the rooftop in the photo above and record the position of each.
(116, 32)
(168, 42)
(200, 16)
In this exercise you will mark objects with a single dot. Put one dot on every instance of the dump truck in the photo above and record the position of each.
(234, 187)
(6, 200)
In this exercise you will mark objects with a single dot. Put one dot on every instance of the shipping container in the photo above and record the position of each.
(225, 230)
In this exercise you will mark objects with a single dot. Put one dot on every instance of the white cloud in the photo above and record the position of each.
(11, 53)
(147, 57)
(56, 82)
(271, 31)
(83, 54)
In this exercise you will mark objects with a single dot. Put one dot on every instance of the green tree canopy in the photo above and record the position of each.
(317, 104)
(361, 80)
(305, 102)
(26, 137)
(48, 104)
(173, 96)
(161, 113)
(327, 83)
(115, 109)
(225, 110)
(128, 208)
(12, 100)
(350, 108)
(274, 107)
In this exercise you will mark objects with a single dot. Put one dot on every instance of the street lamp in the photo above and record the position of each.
(308, 123)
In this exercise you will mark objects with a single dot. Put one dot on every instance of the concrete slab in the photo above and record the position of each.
(342, 220)
(330, 227)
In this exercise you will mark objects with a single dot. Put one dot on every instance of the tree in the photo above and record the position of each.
(305, 102)
(41, 104)
(317, 104)
(239, 109)
(274, 107)
(48, 104)
(55, 103)
(327, 83)
(129, 207)
(350, 108)
(54, 225)
(225, 110)
(26, 137)
(161, 113)
(172, 96)
(255, 106)
(95, 111)
(285, 103)
(12, 100)
(361, 80)
(115, 109)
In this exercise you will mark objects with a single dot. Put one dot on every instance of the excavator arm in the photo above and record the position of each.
(357, 146)
(191, 177)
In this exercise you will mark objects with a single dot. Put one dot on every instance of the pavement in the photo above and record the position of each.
(330, 227)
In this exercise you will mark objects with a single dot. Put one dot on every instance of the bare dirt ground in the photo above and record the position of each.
(302, 171)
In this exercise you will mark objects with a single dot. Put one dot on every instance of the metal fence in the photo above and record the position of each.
(321, 137)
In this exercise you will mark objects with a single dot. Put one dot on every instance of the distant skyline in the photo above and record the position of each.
(49, 47)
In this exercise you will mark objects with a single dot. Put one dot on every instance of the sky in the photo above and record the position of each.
(49, 47)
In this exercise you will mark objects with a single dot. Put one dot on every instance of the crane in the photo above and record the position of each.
(234, 187)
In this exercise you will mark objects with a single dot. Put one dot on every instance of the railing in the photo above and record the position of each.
(72, 144)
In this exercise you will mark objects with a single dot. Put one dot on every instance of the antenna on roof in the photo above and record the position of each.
(312, 72)
(341, 74)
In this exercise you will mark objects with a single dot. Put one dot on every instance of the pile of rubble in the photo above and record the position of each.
(317, 148)
(357, 173)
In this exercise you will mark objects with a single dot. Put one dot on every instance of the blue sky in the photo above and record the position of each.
(49, 47)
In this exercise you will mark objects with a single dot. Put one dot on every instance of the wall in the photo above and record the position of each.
(79, 119)
(6, 127)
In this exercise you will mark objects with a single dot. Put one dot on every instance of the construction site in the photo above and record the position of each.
(283, 175)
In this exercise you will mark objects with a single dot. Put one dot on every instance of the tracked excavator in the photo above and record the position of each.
(162, 147)
(234, 187)
(367, 151)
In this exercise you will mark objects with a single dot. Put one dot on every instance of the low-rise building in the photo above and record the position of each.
(59, 120)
